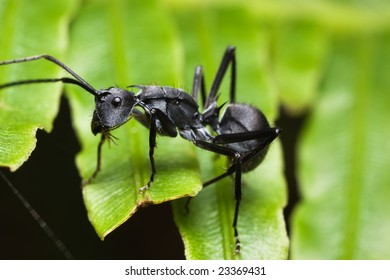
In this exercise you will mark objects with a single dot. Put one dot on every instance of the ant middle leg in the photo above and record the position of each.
(228, 58)
(211, 111)
(198, 82)
(198, 85)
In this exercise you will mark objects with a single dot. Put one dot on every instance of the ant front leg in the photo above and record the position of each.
(152, 146)
(99, 159)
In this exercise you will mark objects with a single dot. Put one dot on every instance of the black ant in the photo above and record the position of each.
(242, 133)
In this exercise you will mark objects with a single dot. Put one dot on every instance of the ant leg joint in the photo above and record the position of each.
(143, 189)
(237, 242)
(147, 186)
(238, 246)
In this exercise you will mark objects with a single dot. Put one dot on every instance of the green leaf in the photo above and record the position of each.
(130, 48)
(117, 43)
(207, 229)
(328, 57)
(25, 109)
(344, 163)
(156, 57)
(300, 48)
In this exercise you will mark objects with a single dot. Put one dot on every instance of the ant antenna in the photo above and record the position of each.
(44, 226)
(77, 81)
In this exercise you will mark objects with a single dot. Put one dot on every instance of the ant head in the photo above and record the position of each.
(113, 107)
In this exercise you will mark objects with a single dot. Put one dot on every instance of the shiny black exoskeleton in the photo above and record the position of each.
(242, 133)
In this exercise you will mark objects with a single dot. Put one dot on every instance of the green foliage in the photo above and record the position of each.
(324, 57)
(19, 114)
(344, 157)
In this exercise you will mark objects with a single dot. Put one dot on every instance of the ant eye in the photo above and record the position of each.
(116, 101)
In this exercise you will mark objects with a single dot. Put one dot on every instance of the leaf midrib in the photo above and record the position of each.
(358, 144)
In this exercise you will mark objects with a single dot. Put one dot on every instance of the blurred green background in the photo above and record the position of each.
(318, 69)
